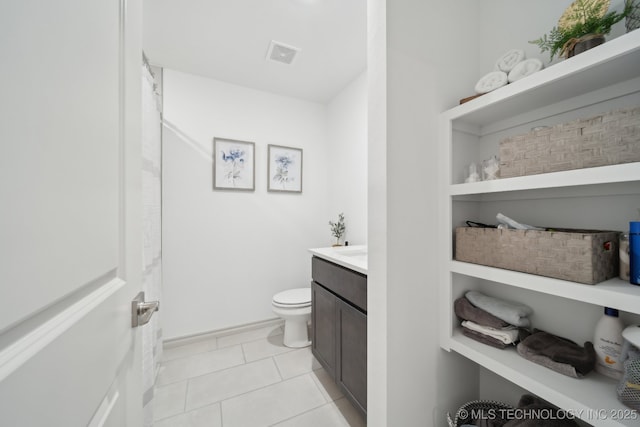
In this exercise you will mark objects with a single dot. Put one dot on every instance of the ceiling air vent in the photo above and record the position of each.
(280, 52)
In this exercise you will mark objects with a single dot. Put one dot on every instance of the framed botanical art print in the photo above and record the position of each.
(284, 169)
(233, 165)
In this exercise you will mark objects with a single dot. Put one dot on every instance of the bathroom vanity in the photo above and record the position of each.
(339, 318)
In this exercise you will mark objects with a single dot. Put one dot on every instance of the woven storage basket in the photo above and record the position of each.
(632, 21)
(607, 139)
(583, 256)
(479, 410)
(629, 386)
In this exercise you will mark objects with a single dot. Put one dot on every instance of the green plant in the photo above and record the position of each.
(582, 18)
(338, 228)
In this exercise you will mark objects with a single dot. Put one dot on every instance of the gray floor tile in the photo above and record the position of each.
(328, 415)
(208, 416)
(231, 382)
(247, 336)
(199, 364)
(327, 386)
(296, 362)
(169, 400)
(272, 404)
(200, 386)
(350, 413)
(256, 350)
(203, 346)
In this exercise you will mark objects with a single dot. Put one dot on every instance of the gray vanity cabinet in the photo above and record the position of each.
(339, 327)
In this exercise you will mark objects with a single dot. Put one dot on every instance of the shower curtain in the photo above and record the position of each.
(151, 226)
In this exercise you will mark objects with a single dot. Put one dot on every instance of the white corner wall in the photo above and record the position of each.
(227, 253)
(347, 158)
(427, 73)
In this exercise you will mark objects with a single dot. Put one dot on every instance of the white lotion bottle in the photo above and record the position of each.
(607, 342)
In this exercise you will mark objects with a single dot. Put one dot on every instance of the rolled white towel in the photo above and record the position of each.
(524, 69)
(509, 60)
(507, 335)
(491, 81)
(511, 312)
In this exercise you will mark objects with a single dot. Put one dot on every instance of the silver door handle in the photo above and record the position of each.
(142, 311)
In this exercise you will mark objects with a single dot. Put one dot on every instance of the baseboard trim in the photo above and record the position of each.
(189, 339)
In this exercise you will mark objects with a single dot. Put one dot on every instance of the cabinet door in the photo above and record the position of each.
(323, 327)
(352, 357)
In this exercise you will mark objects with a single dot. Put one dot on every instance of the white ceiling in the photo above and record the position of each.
(228, 40)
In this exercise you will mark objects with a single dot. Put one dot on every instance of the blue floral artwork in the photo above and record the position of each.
(233, 165)
(282, 170)
(285, 169)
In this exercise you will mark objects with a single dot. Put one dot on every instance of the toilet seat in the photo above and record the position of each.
(293, 298)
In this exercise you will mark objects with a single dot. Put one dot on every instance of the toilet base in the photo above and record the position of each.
(296, 334)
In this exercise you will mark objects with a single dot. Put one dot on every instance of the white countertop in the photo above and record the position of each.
(352, 257)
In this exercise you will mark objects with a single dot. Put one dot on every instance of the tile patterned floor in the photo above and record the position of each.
(247, 379)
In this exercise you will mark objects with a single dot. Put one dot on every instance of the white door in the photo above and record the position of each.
(70, 236)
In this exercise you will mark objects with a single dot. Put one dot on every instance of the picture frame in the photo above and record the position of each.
(233, 165)
(284, 169)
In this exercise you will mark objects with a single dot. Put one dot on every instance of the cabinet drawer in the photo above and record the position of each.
(349, 284)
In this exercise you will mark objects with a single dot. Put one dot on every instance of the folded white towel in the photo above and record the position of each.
(509, 60)
(507, 335)
(491, 81)
(524, 69)
(510, 312)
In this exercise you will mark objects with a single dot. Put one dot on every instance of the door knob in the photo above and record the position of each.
(141, 310)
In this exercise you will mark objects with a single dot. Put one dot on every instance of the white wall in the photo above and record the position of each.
(377, 313)
(347, 158)
(428, 73)
(226, 253)
(511, 24)
(429, 47)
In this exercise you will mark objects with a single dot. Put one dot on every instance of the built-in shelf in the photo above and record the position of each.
(607, 76)
(592, 398)
(611, 293)
(615, 61)
(628, 172)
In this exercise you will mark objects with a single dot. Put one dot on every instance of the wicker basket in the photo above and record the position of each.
(632, 21)
(606, 139)
(477, 410)
(629, 386)
(583, 256)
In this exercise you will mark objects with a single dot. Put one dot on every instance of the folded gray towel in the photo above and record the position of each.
(485, 339)
(547, 362)
(511, 312)
(562, 350)
(467, 311)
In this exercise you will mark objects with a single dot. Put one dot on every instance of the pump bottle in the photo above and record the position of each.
(607, 342)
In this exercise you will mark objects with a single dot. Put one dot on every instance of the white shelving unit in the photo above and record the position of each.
(600, 79)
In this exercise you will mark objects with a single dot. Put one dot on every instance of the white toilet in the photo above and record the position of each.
(294, 306)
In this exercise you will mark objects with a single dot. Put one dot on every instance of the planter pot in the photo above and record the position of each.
(585, 43)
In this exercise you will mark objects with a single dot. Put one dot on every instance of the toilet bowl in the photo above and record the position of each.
(294, 306)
